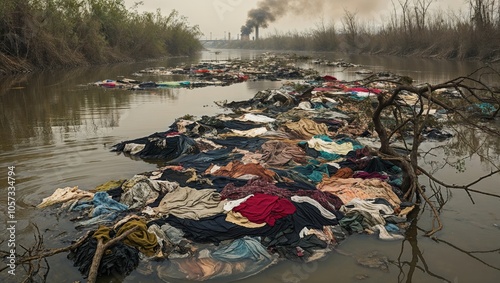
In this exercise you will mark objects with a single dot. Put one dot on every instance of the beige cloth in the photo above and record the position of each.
(351, 188)
(238, 219)
(65, 195)
(189, 203)
(249, 133)
(330, 147)
(306, 128)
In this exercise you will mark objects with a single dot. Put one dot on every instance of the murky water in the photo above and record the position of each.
(57, 132)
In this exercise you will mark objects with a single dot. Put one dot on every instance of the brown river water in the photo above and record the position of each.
(57, 132)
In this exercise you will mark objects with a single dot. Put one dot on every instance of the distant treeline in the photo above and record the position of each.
(413, 28)
(54, 33)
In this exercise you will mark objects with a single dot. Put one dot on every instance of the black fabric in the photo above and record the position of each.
(217, 182)
(159, 146)
(220, 182)
(241, 126)
(349, 164)
(250, 144)
(285, 232)
(201, 161)
(309, 151)
(307, 215)
(299, 182)
(333, 125)
(380, 165)
(115, 193)
(216, 229)
(119, 259)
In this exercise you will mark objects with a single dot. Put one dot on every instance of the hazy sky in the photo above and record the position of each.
(223, 16)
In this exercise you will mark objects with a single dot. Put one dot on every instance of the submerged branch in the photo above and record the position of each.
(463, 187)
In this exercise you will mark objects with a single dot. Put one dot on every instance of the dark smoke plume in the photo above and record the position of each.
(268, 11)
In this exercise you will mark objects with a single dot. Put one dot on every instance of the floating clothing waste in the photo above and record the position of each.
(281, 175)
(64, 195)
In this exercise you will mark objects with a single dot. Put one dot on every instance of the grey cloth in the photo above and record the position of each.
(141, 191)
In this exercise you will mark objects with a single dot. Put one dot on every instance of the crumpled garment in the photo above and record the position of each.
(373, 175)
(141, 239)
(236, 169)
(133, 148)
(113, 184)
(349, 189)
(216, 229)
(372, 217)
(104, 204)
(229, 205)
(306, 128)
(326, 235)
(344, 173)
(379, 165)
(265, 208)
(329, 146)
(315, 172)
(243, 249)
(327, 200)
(141, 191)
(161, 146)
(233, 192)
(189, 203)
(64, 195)
(238, 219)
(118, 259)
(278, 153)
(308, 215)
(327, 214)
(256, 118)
(252, 133)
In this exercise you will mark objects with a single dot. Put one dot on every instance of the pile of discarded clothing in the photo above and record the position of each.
(283, 176)
(218, 73)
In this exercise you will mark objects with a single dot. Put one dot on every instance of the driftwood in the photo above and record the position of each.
(101, 248)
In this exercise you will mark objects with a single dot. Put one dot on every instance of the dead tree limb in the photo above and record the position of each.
(57, 251)
(101, 248)
(471, 91)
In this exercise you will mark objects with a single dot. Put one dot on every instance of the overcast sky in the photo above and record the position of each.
(219, 17)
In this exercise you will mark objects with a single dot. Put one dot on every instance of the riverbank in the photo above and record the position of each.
(43, 35)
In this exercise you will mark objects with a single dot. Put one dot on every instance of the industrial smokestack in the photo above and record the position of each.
(268, 11)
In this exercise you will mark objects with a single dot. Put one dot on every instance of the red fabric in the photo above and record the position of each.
(362, 89)
(329, 78)
(171, 134)
(265, 208)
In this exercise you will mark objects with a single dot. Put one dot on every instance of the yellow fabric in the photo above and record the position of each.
(141, 239)
(109, 185)
(102, 233)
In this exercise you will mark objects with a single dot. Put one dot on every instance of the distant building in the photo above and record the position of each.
(245, 37)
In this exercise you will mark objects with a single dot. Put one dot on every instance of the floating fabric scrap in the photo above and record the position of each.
(64, 195)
